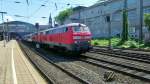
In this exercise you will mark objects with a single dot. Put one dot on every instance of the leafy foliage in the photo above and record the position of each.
(63, 15)
(104, 41)
(125, 27)
(130, 44)
(147, 21)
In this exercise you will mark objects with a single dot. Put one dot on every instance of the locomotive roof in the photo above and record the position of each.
(73, 24)
(66, 25)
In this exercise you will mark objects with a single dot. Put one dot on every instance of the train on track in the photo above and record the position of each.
(74, 37)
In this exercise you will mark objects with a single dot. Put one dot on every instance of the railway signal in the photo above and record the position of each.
(37, 27)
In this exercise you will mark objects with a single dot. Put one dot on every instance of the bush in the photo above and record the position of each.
(130, 44)
(95, 43)
(116, 43)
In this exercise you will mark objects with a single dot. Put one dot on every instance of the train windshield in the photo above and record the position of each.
(80, 29)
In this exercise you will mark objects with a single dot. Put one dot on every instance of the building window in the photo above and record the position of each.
(132, 15)
(129, 2)
(147, 10)
(132, 30)
(101, 12)
(116, 17)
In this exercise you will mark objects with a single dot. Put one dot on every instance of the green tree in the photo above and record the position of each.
(125, 23)
(60, 18)
(125, 27)
(147, 21)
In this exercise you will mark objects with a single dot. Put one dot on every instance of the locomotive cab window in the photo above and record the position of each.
(85, 28)
(47, 32)
(76, 29)
(80, 29)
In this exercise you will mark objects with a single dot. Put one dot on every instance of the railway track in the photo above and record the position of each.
(28, 55)
(73, 74)
(131, 49)
(126, 67)
(126, 51)
(121, 54)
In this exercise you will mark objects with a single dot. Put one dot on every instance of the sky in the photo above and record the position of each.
(33, 11)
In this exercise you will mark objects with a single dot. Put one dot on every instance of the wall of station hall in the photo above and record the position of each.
(94, 17)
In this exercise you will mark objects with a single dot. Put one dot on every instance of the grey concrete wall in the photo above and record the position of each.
(94, 17)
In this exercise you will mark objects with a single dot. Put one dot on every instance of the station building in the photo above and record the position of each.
(17, 28)
(95, 17)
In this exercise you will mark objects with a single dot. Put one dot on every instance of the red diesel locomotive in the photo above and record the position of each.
(70, 37)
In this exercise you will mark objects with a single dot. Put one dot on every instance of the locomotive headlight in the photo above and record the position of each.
(76, 37)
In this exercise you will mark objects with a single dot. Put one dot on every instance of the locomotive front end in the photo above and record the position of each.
(82, 38)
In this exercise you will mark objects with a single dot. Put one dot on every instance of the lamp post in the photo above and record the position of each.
(8, 31)
(2, 14)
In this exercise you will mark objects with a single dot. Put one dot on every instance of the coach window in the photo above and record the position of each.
(47, 32)
(60, 30)
(44, 33)
(54, 31)
(41, 33)
(57, 31)
(65, 29)
(50, 32)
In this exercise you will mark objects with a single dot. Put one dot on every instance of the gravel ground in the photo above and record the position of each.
(77, 70)
(120, 78)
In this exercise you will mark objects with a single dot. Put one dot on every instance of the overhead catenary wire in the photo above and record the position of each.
(33, 14)
(55, 4)
(29, 3)
(1, 4)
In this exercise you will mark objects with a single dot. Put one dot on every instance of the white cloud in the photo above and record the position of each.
(10, 18)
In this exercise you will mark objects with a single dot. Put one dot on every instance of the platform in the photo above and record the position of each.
(15, 68)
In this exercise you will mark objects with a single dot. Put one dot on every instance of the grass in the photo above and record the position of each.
(115, 43)
(104, 42)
